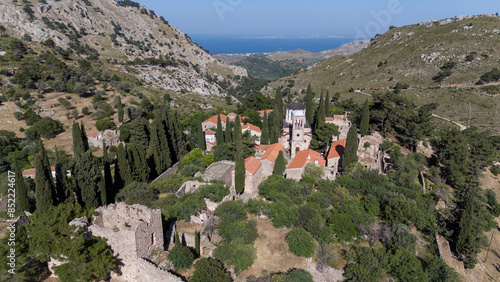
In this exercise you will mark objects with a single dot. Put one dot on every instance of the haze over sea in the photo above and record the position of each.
(224, 44)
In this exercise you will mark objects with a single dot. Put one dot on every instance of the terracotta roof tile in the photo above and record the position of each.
(339, 117)
(252, 165)
(336, 149)
(29, 171)
(92, 133)
(251, 126)
(261, 113)
(213, 119)
(303, 157)
(271, 151)
(210, 132)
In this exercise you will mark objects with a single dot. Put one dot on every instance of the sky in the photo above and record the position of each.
(308, 18)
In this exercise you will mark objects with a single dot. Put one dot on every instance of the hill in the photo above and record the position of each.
(279, 64)
(438, 61)
(121, 31)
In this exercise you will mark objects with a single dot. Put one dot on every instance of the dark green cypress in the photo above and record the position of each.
(159, 145)
(327, 104)
(63, 185)
(43, 185)
(22, 203)
(320, 115)
(88, 177)
(277, 123)
(309, 104)
(201, 135)
(84, 137)
(140, 134)
(119, 108)
(180, 137)
(365, 119)
(109, 194)
(237, 130)
(278, 103)
(197, 243)
(239, 171)
(279, 164)
(228, 138)
(140, 168)
(351, 148)
(124, 166)
(219, 134)
(78, 147)
(264, 138)
(172, 134)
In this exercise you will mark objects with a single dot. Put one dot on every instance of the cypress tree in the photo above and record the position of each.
(181, 141)
(123, 167)
(22, 203)
(276, 127)
(43, 185)
(119, 108)
(197, 243)
(109, 194)
(278, 103)
(140, 168)
(219, 134)
(228, 138)
(201, 136)
(63, 186)
(237, 130)
(78, 147)
(279, 164)
(239, 173)
(320, 115)
(365, 119)
(172, 134)
(309, 105)
(159, 145)
(327, 104)
(264, 139)
(84, 138)
(351, 148)
(139, 134)
(88, 177)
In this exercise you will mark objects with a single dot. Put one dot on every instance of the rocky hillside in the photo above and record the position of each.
(451, 62)
(121, 31)
(279, 64)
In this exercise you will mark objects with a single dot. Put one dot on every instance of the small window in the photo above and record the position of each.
(298, 135)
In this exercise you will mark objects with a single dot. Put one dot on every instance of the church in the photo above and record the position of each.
(296, 134)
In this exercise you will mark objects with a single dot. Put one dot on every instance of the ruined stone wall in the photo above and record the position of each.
(149, 236)
(294, 173)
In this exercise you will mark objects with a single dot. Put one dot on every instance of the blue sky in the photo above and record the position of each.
(356, 18)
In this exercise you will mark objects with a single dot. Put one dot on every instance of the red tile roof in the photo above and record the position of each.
(329, 119)
(231, 115)
(32, 171)
(261, 113)
(210, 132)
(251, 126)
(339, 117)
(92, 133)
(303, 157)
(336, 149)
(271, 151)
(213, 119)
(252, 165)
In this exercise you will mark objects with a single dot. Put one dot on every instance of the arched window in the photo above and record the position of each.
(297, 150)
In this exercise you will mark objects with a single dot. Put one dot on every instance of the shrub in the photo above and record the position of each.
(342, 224)
(495, 170)
(442, 75)
(231, 211)
(18, 115)
(189, 170)
(367, 145)
(46, 128)
(491, 76)
(243, 232)
(298, 275)
(210, 270)
(31, 117)
(188, 205)
(241, 256)
(282, 214)
(301, 242)
(168, 185)
(181, 256)
(215, 192)
(85, 111)
(136, 193)
(105, 123)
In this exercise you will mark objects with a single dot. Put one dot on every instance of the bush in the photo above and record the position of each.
(342, 224)
(105, 123)
(491, 76)
(137, 193)
(189, 170)
(210, 270)
(181, 256)
(18, 115)
(298, 275)
(215, 192)
(243, 232)
(241, 256)
(367, 145)
(301, 242)
(168, 185)
(31, 117)
(188, 205)
(231, 211)
(282, 214)
(495, 170)
(46, 128)
(85, 111)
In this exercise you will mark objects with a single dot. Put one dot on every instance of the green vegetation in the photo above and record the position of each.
(210, 270)
(181, 256)
(301, 242)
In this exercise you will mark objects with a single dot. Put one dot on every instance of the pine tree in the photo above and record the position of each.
(264, 139)
(239, 171)
(124, 167)
(365, 119)
(109, 195)
(119, 108)
(22, 203)
(309, 104)
(351, 148)
(327, 104)
(237, 130)
(201, 136)
(279, 164)
(197, 243)
(320, 115)
(88, 177)
(43, 185)
(219, 134)
(228, 138)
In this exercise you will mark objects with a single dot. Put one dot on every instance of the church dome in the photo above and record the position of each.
(296, 106)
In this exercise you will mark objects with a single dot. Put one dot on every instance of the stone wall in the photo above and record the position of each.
(189, 187)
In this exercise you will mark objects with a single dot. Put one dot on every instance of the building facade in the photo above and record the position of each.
(297, 134)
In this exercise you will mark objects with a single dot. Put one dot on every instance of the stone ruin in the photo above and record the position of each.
(133, 232)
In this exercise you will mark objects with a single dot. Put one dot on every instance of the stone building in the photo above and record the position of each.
(297, 167)
(253, 130)
(110, 137)
(31, 172)
(296, 135)
(267, 155)
(335, 154)
(253, 177)
(342, 122)
(210, 139)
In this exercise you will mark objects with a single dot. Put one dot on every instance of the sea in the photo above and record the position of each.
(218, 44)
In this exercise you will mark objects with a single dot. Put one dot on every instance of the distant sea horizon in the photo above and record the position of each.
(227, 44)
